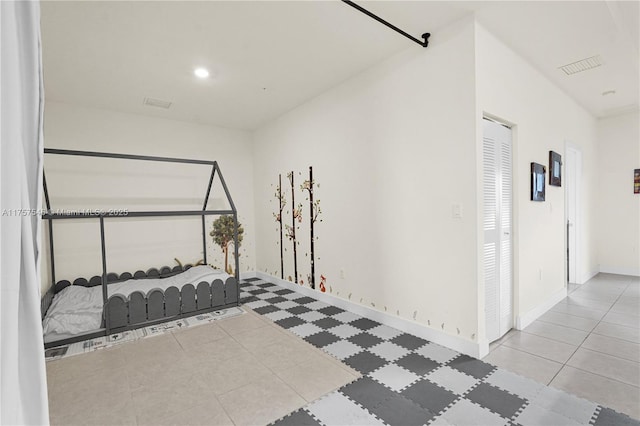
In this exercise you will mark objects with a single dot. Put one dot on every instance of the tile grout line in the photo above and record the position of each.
(579, 345)
(536, 355)
(288, 334)
(583, 340)
(611, 337)
(248, 350)
(608, 354)
(361, 375)
(600, 375)
(575, 315)
(567, 326)
(267, 324)
(593, 417)
(552, 338)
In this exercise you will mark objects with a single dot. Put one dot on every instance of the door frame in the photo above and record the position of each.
(569, 146)
(484, 343)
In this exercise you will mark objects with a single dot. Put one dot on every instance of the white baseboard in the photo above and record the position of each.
(248, 274)
(474, 349)
(589, 276)
(633, 272)
(522, 321)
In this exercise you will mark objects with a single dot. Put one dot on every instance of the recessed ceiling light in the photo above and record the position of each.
(201, 72)
(609, 92)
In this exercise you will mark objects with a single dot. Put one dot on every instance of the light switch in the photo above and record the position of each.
(456, 211)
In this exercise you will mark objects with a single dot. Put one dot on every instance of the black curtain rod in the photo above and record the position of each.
(425, 36)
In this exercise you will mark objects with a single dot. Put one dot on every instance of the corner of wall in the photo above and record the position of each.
(523, 320)
(366, 139)
(511, 88)
(481, 315)
(607, 269)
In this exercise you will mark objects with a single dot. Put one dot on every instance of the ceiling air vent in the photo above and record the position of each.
(582, 65)
(158, 103)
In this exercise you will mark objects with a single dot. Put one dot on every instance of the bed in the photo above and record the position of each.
(134, 300)
(111, 303)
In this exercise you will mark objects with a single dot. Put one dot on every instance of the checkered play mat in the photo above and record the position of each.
(407, 380)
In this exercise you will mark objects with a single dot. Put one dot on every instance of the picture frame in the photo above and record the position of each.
(555, 169)
(538, 172)
(636, 181)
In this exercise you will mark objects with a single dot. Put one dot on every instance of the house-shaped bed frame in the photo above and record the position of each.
(157, 306)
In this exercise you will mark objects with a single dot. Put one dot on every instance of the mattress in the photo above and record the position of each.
(77, 309)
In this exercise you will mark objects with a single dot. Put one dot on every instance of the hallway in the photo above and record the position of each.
(588, 344)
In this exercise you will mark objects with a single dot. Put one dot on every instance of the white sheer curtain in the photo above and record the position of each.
(23, 385)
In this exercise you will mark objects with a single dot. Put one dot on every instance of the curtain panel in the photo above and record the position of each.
(23, 389)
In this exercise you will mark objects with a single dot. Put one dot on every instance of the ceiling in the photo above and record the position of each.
(267, 57)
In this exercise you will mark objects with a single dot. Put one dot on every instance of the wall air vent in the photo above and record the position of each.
(582, 65)
(158, 103)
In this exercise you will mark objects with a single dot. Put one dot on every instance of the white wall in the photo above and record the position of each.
(76, 183)
(544, 119)
(618, 207)
(393, 150)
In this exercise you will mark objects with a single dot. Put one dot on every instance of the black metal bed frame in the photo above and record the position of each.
(50, 216)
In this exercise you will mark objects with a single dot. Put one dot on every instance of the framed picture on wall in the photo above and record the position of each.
(555, 169)
(538, 172)
(636, 181)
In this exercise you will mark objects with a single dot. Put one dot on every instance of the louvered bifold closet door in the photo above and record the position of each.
(506, 248)
(491, 236)
(497, 222)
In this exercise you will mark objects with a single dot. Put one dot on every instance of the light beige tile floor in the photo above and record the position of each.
(244, 370)
(588, 344)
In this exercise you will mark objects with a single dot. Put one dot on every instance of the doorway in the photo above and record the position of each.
(572, 172)
(498, 224)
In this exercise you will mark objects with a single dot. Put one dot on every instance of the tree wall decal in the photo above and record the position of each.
(314, 212)
(222, 234)
(281, 203)
(296, 214)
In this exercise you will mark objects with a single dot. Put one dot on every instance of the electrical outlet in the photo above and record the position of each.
(456, 211)
(342, 274)
(540, 274)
